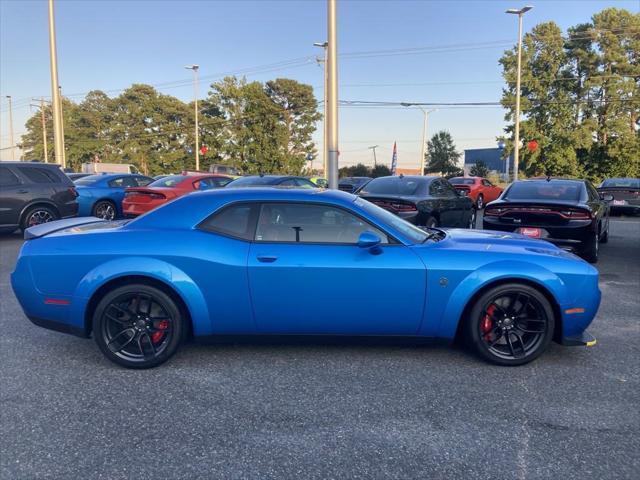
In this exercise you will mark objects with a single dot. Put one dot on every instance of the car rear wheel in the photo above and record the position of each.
(138, 326)
(472, 219)
(604, 238)
(592, 250)
(36, 216)
(104, 209)
(480, 202)
(511, 324)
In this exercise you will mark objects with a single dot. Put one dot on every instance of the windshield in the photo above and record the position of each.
(354, 180)
(170, 181)
(544, 191)
(90, 180)
(250, 181)
(462, 181)
(394, 186)
(622, 182)
(385, 217)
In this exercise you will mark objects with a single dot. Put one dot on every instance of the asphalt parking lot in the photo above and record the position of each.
(326, 411)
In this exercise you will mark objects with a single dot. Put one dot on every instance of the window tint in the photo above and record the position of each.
(251, 181)
(304, 183)
(309, 223)
(622, 182)
(39, 175)
(528, 190)
(394, 186)
(123, 182)
(448, 189)
(90, 180)
(7, 178)
(592, 192)
(436, 188)
(143, 181)
(387, 218)
(487, 183)
(169, 181)
(236, 221)
(290, 182)
(462, 181)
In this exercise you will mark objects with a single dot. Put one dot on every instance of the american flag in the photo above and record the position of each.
(394, 159)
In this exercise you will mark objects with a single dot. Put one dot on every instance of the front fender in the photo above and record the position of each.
(495, 272)
(159, 270)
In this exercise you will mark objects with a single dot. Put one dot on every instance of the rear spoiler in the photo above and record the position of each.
(43, 229)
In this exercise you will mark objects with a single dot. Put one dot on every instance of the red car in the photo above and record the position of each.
(139, 200)
(478, 189)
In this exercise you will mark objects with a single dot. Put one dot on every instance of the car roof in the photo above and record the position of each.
(551, 179)
(31, 163)
(191, 209)
(411, 177)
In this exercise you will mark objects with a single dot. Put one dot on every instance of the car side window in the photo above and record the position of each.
(435, 188)
(38, 175)
(592, 192)
(7, 178)
(143, 181)
(123, 182)
(290, 182)
(304, 183)
(236, 221)
(311, 223)
(487, 183)
(448, 189)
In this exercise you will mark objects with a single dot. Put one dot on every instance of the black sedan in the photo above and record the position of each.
(625, 194)
(271, 181)
(424, 201)
(568, 213)
(353, 184)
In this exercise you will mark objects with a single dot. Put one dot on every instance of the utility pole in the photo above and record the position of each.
(331, 108)
(375, 160)
(64, 154)
(13, 147)
(195, 95)
(44, 131)
(325, 149)
(424, 138)
(58, 134)
(516, 146)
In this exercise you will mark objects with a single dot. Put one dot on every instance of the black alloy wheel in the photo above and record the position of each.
(104, 209)
(138, 326)
(511, 324)
(37, 216)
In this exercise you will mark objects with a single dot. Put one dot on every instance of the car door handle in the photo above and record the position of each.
(267, 258)
(23, 191)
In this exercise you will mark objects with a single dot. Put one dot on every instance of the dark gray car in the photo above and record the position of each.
(32, 193)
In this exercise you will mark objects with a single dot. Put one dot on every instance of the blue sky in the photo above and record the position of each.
(108, 45)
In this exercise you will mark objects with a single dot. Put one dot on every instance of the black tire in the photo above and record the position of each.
(104, 209)
(472, 219)
(510, 324)
(592, 249)
(604, 238)
(36, 216)
(432, 222)
(480, 202)
(132, 337)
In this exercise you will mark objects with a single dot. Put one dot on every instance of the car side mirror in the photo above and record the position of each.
(607, 197)
(368, 240)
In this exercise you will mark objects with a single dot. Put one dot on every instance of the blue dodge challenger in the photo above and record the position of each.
(251, 261)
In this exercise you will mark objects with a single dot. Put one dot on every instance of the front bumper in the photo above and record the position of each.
(584, 339)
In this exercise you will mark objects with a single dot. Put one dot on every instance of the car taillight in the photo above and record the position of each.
(73, 191)
(494, 212)
(404, 207)
(157, 196)
(574, 214)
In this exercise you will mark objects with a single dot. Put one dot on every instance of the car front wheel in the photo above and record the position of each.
(511, 324)
(138, 326)
(36, 216)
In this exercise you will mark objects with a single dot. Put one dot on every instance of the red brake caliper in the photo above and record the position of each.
(487, 323)
(157, 336)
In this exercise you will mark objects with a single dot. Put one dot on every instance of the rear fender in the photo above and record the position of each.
(156, 269)
(492, 273)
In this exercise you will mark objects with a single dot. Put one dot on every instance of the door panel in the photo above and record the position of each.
(299, 288)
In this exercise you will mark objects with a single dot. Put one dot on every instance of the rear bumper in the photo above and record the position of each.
(58, 326)
(573, 238)
(135, 209)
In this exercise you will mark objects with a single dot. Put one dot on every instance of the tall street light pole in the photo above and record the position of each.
(58, 136)
(44, 131)
(12, 146)
(375, 160)
(516, 147)
(331, 108)
(424, 138)
(195, 94)
(325, 149)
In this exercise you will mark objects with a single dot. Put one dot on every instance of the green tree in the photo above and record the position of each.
(380, 171)
(479, 169)
(442, 156)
